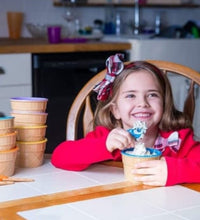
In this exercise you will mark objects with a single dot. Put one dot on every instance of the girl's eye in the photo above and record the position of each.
(130, 96)
(153, 95)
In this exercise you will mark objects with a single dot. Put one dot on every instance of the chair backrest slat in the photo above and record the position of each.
(87, 116)
(189, 105)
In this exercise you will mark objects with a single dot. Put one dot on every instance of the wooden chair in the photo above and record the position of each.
(82, 101)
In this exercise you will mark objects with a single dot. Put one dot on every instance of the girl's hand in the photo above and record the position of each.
(154, 171)
(120, 139)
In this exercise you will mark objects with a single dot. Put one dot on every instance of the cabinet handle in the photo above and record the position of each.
(2, 70)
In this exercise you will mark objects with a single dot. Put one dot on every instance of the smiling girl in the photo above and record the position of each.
(128, 93)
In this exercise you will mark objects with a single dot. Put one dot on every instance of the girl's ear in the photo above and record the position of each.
(115, 111)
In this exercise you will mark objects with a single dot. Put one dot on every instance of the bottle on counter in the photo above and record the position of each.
(109, 24)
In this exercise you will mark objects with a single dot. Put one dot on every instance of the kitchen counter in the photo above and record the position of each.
(30, 45)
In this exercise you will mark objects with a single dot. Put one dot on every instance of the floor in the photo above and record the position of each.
(172, 203)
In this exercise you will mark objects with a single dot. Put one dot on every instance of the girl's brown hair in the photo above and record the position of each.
(172, 118)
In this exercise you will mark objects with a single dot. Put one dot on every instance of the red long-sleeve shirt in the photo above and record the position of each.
(183, 164)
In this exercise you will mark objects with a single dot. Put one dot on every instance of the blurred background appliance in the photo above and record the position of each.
(59, 77)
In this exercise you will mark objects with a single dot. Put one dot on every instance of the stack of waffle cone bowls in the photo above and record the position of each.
(8, 149)
(30, 124)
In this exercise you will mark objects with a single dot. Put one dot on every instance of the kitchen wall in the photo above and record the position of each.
(43, 12)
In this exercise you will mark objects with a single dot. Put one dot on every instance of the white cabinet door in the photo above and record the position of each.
(15, 79)
(17, 69)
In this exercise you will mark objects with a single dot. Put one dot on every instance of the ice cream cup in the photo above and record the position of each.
(129, 160)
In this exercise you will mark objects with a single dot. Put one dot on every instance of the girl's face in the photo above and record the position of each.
(139, 98)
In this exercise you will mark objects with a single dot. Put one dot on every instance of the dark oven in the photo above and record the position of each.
(59, 77)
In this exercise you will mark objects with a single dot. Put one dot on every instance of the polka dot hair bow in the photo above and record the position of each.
(114, 66)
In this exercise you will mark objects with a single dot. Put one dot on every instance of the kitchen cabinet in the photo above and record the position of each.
(15, 78)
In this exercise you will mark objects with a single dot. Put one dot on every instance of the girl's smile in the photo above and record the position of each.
(142, 115)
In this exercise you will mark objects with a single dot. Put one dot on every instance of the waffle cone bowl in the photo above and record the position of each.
(7, 161)
(129, 161)
(6, 125)
(31, 133)
(31, 154)
(25, 118)
(29, 104)
(7, 141)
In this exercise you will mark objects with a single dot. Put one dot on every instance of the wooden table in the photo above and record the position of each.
(8, 210)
